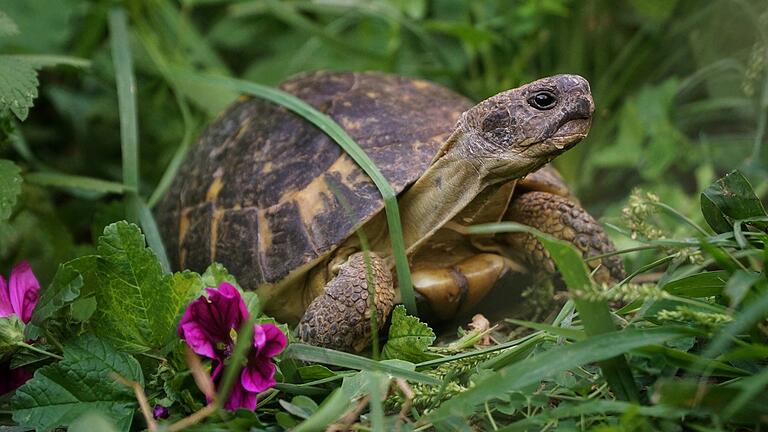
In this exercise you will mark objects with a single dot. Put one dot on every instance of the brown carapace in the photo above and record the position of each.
(276, 201)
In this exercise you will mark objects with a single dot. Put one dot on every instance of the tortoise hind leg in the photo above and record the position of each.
(562, 218)
(340, 318)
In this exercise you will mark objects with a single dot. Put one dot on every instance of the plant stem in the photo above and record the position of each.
(40, 351)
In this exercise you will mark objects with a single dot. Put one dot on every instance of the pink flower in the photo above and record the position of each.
(20, 295)
(210, 325)
(19, 298)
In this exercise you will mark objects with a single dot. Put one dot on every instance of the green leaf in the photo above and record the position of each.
(351, 361)
(10, 187)
(336, 404)
(300, 406)
(138, 303)
(75, 182)
(588, 408)
(721, 399)
(18, 86)
(549, 363)
(83, 309)
(705, 284)
(739, 285)
(64, 289)
(81, 383)
(408, 338)
(126, 96)
(728, 199)
(92, 421)
(215, 274)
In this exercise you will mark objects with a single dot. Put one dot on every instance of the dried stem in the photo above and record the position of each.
(141, 397)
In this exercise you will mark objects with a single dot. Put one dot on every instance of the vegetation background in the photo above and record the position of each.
(681, 88)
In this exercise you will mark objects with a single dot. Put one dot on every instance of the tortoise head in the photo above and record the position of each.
(519, 130)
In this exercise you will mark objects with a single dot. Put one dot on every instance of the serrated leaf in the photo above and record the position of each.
(215, 274)
(408, 338)
(18, 86)
(60, 393)
(10, 186)
(138, 303)
(64, 289)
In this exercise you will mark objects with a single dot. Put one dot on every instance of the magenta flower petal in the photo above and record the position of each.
(239, 397)
(197, 338)
(209, 326)
(208, 322)
(24, 290)
(275, 340)
(5, 300)
(258, 375)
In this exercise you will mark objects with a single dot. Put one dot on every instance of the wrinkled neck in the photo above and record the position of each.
(452, 181)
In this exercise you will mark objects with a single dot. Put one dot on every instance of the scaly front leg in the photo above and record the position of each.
(340, 318)
(564, 219)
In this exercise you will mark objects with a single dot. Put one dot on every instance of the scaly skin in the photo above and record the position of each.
(340, 318)
(562, 218)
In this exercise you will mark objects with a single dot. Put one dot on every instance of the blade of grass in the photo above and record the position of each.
(152, 46)
(533, 337)
(533, 370)
(589, 408)
(595, 315)
(129, 131)
(126, 96)
(338, 134)
(138, 207)
(752, 313)
(351, 361)
(376, 385)
(750, 388)
(47, 60)
(566, 332)
(76, 182)
(286, 12)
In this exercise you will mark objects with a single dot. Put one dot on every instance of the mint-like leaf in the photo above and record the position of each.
(138, 303)
(64, 289)
(82, 382)
(216, 274)
(18, 86)
(408, 338)
(10, 183)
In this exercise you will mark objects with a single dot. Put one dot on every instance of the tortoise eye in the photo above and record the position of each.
(543, 100)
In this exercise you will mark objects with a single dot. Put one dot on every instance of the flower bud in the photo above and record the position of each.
(11, 334)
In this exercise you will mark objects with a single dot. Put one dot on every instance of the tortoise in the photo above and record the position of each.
(277, 202)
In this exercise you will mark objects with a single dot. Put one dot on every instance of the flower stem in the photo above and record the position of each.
(38, 350)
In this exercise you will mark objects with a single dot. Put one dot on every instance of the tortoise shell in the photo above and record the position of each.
(266, 193)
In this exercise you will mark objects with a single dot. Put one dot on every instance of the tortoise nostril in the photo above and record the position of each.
(584, 107)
